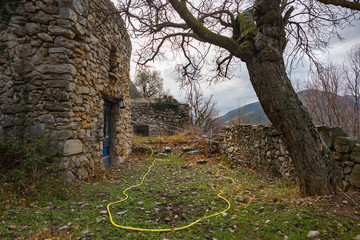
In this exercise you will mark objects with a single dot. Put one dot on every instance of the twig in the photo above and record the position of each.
(349, 197)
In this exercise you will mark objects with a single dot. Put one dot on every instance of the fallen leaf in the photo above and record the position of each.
(11, 226)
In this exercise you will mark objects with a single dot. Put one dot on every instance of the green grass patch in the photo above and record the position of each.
(174, 194)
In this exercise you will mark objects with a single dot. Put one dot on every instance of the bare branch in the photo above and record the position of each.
(355, 5)
(204, 33)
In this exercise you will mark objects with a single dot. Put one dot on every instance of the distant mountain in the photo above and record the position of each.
(252, 113)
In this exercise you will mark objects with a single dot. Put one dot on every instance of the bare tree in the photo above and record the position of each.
(352, 76)
(149, 82)
(203, 110)
(332, 94)
(255, 32)
(323, 95)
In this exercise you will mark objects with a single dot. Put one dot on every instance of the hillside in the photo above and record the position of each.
(256, 114)
(254, 111)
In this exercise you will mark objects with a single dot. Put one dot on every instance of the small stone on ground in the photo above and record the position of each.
(313, 234)
(85, 232)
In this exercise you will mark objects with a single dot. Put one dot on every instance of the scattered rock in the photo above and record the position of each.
(167, 149)
(224, 214)
(11, 226)
(167, 219)
(63, 228)
(103, 212)
(201, 161)
(142, 149)
(194, 152)
(313, 234)
(121, 213)
(85, 232)
(100, 219)
(162, 155)
(187, 149)
(242, 199)
(267, 221)
(357, 237)
(140, 202)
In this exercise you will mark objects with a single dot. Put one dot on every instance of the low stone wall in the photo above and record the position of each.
(157, 122)
(260, 148)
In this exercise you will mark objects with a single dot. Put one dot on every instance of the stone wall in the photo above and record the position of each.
(260, 148)
(59, 59)
(159, 122)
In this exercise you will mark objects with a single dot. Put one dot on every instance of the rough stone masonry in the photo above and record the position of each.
(148, 121)
(60, 61)
(260, 148)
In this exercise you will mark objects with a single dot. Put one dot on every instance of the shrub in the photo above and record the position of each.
(24, 157)
(167, 104)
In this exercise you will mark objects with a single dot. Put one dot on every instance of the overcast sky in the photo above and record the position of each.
(238, 91)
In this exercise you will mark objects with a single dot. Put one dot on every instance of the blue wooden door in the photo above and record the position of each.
(107, 128)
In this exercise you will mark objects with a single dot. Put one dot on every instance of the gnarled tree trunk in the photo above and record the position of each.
(289, 117)
(282, 105)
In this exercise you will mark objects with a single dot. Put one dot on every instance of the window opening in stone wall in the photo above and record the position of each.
(141, 130)
(113, 62)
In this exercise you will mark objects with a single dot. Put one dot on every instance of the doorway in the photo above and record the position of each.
(106, 131)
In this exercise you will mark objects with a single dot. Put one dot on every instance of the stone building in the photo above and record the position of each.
(157, 117)
(64, 74)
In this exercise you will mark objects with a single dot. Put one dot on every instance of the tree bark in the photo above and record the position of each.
(281, 104)
(287, 114)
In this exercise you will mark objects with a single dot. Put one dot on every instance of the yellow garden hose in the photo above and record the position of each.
(162, 229)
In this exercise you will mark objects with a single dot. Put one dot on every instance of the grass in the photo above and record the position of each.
(178, 137)
(175, 193)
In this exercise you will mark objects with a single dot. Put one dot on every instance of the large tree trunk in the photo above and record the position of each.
(282, 105)
(287, 114)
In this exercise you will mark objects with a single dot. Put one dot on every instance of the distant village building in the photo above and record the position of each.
(64, 73)
(158, 117)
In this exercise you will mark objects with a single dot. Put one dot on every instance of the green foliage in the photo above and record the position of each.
(23, 157)
(149, 82)
(7, 7)
(167, 104)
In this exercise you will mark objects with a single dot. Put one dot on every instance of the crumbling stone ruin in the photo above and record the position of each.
(156, 117)
(260, 148)
(64, 74)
